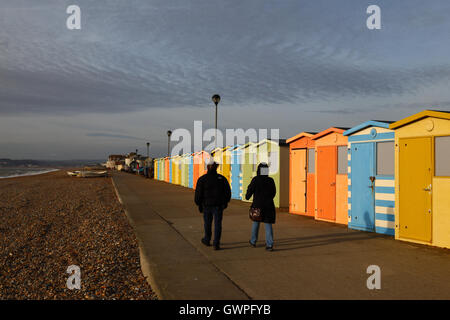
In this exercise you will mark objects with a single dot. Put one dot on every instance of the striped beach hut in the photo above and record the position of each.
(371, 184)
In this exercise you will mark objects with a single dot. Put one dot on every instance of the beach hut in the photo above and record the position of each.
(182, 170)
(167, 169)
(170, 170)
(191, 170)
(155, 169)
(276, 155)
(176, 170)
(301, 174)
(331, 180)
(185, 170)
(248, 167)
(371, 189)
(226, 163)
(422, 178)
(236, 171)
(200, 161)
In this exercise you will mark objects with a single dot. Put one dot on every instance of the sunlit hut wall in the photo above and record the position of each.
(331, 175)
(301, 174)
(249, 164)
(236, 171)
(371, 192)
(422, 178)
(276, 155)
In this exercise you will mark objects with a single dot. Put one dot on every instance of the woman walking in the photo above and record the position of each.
(262, 188)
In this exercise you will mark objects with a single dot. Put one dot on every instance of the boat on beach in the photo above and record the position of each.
(88, 174)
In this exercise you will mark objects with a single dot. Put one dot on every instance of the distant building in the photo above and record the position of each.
(114, 160)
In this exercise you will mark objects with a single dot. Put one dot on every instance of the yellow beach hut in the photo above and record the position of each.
(422, 178)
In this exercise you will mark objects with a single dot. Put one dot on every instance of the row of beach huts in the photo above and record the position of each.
(391, 178)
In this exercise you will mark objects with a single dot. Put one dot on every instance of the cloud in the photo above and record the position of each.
(158, 55)
(110, 135)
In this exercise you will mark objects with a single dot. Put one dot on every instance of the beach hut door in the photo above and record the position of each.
(415, 174)
(363, 186)
(326, 182)
(299, 180)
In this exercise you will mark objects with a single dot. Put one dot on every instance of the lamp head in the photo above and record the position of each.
(216, 99)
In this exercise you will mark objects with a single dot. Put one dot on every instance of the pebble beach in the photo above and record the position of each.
(51, 221)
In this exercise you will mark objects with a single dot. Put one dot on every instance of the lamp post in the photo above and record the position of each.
(169, 133)
(216, 99)
(148, 149)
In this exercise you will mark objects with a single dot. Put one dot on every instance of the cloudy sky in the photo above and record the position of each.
(140, 67)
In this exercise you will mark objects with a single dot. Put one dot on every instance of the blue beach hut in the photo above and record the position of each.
(236, 171)
(371, 184)
(191, 171)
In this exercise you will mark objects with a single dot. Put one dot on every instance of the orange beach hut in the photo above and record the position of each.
(331, 180)
(301, 174)
(201, 159)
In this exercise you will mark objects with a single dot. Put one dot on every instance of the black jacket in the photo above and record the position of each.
(263, 190)
(212, 190)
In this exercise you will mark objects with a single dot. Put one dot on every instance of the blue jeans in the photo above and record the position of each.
(210, 214)
(269, 233)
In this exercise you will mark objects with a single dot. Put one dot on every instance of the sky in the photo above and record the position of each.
(138, 68)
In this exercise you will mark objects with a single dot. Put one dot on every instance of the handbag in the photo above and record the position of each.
(255, 214)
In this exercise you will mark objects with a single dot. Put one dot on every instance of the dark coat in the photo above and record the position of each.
(263, 190)
(213, 190)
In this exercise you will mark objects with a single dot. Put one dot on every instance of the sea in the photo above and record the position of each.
(20, 172)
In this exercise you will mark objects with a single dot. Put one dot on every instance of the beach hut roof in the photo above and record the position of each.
(328, 131)
(281, 142)
(300, 135)
(424, 114)
(370, 123)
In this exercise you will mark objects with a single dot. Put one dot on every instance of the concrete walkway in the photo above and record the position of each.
(312, 260)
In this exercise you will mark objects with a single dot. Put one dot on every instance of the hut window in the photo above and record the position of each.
(385, 158)
(342, 160)
(311, 160)
(441, 155)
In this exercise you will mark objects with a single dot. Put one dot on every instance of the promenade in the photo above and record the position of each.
(311, 260)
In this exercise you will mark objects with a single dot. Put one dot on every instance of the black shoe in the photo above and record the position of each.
(217, 247)
(252, 244)
(206, 243)
(269, 248)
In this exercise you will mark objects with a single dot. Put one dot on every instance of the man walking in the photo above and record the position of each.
(212, 195)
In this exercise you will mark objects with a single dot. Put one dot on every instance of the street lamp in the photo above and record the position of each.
(169, 133)
(216, 99)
